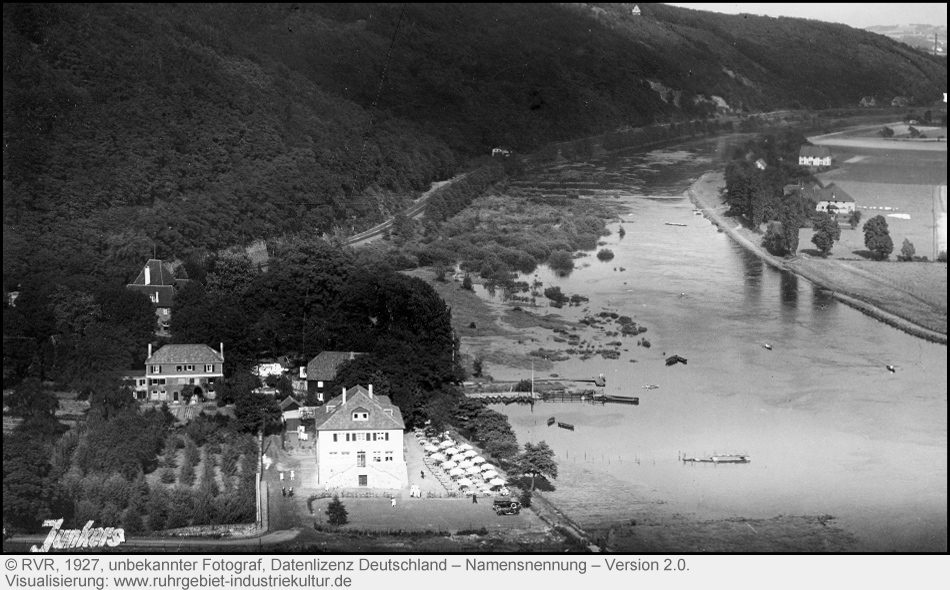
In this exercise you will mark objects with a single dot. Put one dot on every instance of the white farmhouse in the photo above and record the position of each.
(360, 441)
(814, 155)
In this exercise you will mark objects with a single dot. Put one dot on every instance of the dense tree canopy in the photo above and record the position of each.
(877, 237)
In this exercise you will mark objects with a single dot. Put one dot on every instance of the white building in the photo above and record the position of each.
(814, 155)
(360, 441)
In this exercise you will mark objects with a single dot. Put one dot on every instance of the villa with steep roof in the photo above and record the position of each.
(833, 199)
(177, 372)
(360, 441)
(322, 369)
(157, 280)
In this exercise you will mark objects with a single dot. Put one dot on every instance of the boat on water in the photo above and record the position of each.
(621, 399)
(718, 459)
(565, 426)
(676, 224)
(551, 421)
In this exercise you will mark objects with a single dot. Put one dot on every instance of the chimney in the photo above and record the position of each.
(222, 349)
(370, 391)
(148, 275)
(344, 394)
(149, 350)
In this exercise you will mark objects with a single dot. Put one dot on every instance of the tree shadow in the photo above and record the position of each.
(866, 254)
(811, 252)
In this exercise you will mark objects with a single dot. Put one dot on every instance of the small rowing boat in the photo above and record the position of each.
(676, 224)
(565, 425)
(551, 421)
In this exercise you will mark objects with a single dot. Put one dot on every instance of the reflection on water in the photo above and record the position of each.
(829, 429)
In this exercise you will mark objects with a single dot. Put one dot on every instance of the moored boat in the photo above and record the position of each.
(622, 399)
(565, 425)
(551, 421)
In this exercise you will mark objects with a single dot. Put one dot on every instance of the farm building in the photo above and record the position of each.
(834, 199)
(814, 155)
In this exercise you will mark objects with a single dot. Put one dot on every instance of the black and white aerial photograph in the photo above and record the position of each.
(475, 279)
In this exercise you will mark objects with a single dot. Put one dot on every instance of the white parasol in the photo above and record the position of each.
(489, 474)
(456, 472)
(497, 482)
(431, 448)
(450, 465)
(478, 459)
(473, 470)
(465, 464)
(469, 454)
(438, 457)
(466, 447)
(488, 467)
(446, 444)
(451, 451)
(465, 482)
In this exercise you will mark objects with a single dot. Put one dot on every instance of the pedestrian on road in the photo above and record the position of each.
(422, 473)
(474, 498)
(291, 492)
(291, 475)
(394, 502)
(283, 491)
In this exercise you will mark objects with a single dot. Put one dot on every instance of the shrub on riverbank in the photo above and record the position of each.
(605, 254)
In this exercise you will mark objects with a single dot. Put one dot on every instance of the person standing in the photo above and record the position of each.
(474, 498)
(292, 475)
(281, 476)
(393, 502)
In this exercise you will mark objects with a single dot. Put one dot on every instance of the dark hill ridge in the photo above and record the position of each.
(203, 126)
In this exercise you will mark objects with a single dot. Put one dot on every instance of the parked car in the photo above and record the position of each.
(508, 506)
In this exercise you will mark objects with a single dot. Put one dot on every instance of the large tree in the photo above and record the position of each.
(877, 237)
(827, 232)
(537, 461)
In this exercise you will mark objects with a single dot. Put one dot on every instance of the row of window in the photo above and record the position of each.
(361, 436)
(378, 457)
(182, 381)
(157, 369)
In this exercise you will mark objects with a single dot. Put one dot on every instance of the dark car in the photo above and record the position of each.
(507, 507)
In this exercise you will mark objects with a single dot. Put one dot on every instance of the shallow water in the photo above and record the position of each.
(830, 430)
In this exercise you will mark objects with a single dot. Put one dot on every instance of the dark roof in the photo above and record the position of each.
(195, 354)
(323, 366)
(808, 190)
(166, 293)
(160, 273)
(814, 151)
(289, 403)
(833, 192)
(336, 415)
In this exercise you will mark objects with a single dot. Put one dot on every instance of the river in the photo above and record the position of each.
(830, 430)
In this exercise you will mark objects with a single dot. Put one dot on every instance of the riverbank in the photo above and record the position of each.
(848, 287)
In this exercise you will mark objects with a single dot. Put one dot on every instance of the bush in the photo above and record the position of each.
(605, 254)
(526, 498)
(907, 251)
(168, 476)
(561, 262)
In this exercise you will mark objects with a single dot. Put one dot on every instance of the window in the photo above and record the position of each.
(189, 367)
(361, 459)
(319, 383)
(377, 457)
(361, 436)
(380, 436)
(364, 481)
(334, 438)
(209, 368)
(360, 416)
(156, 369)
(389, 456)
(178, 368)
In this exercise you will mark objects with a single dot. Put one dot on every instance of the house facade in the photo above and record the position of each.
(321, 370)
(176, 372)
(814, 155)
(833, 199)
(359, 441)
(157, 280)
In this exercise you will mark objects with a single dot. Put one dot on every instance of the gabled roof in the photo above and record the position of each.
(289, 403)
(833, 192)
(323, 366)
(166, 293)
(336, 415)
(195, 354)
(159, 274)
(814, 151)
(808, 190)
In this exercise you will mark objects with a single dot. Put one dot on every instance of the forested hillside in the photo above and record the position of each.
(136, 128)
